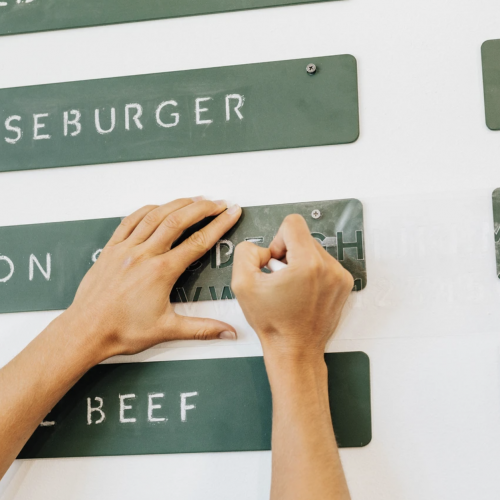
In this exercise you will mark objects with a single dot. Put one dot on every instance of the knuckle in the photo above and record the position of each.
(199, 241)
(202, 334)
(151, 218)
(172, 222)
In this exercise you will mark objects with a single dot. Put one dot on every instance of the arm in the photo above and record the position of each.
(294, 312)
(122, 307)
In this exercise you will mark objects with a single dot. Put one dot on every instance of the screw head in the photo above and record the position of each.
(311, 68)
(316, 214)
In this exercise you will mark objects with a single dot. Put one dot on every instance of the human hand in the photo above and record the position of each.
(124, 300)
(294, 311)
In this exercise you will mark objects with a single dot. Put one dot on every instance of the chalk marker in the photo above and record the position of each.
(275, 265)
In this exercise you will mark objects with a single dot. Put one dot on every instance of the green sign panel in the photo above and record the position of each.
(190, 407)
(496, 220)
(42, 265)
(25, 16)
(187, 113)
(491, 81)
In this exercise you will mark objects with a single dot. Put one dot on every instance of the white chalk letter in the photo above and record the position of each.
(184, 406)
(174, 115)
(138, 114)
(11, 265)
(98, 122)
(75, 121)
(37, 126)
(96, 254)
(48, 265)
(91, 410)
(152, 407)
(199, 111)
(124, 407)
(240, 99)
(10, 128)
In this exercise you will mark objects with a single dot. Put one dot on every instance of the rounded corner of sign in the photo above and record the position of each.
(495, 192)
(492, 127)
(485, 44)
(352, 58)
(367, 441)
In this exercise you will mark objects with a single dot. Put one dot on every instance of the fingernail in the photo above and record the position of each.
(198, 198)
(227, 335)
(233, 210)
(221, 203)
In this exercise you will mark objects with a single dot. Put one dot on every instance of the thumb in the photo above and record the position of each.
(187, 328)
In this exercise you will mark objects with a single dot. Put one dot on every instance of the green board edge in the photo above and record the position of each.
(39, 16)
(490, 56)
(496, 226)
(231, 411)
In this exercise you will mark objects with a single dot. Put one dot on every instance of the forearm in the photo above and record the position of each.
(306, 463)
(35, 380)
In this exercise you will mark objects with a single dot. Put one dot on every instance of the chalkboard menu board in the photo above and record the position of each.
(491, 80)
(284, 104)
(25, 16)
(190, 407)
(496, 221)
(41, 265)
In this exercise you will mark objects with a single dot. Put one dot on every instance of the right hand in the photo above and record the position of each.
(294, 311)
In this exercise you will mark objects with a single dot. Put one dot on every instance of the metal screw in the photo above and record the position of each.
(311, 68)
(316, 214)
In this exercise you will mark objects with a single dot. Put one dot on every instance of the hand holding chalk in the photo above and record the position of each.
(275, 265)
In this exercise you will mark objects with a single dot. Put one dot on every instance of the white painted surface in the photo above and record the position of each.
(424, 167)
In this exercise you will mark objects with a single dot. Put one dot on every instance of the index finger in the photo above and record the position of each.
(293, 241)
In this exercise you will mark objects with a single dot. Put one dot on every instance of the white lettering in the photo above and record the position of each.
(98, 122)
(96, 254)
(48, 265)
(184, 406)
(10, 128)
(124, 407)
(75, 121)
(11, 265)
(45, 423)
(91, 410)
(37, 126)
(229, 252)
(138, 114)
(240, 99)
(152, 407)
(199, 110)
(174, 115)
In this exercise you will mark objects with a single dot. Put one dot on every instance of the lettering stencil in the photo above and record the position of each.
(190, 407)
(229, 109)
(41, 265)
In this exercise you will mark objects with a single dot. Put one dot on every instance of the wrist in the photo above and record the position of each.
(81, 336)
(291, 364)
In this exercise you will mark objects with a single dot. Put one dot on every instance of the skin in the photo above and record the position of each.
(122, 307)
(294, 312)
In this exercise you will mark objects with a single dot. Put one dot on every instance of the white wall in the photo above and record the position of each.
(424, 167)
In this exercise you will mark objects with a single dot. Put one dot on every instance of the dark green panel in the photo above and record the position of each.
(69, 248)
(233, 408)
(491, 81)
(25, 16)
(496, 220)
(248, 108)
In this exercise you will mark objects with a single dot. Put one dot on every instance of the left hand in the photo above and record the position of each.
(123, 303)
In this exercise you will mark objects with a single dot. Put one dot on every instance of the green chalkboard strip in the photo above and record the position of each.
(490, 52)
(186, 113)
(190, 407)
(496, 222)
(27, 16)
(41, 265)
